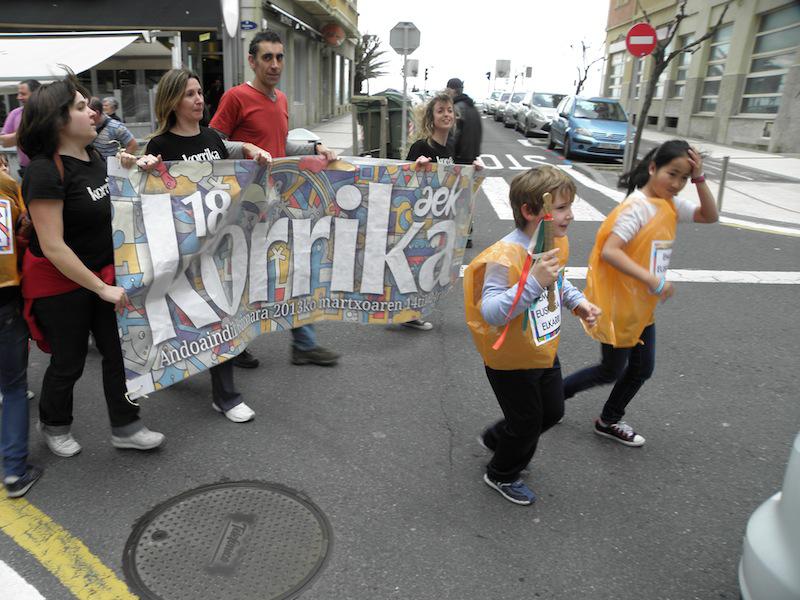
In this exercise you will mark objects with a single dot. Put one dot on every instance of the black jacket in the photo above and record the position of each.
(468, 132)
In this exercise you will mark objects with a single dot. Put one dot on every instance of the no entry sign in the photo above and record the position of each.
(641, 39)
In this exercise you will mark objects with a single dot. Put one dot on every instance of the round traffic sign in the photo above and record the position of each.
(641, 39)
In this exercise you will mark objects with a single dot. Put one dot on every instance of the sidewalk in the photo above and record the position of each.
(336, 133)
(767, 200)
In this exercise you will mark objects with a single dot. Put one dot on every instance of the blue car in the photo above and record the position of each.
(589, 127)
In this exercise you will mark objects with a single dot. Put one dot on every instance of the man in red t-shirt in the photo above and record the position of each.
(257, 112)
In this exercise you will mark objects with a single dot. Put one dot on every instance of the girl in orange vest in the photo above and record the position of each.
(516, 333)
(627, 277)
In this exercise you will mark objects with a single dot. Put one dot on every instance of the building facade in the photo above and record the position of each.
(739, 87)
(318, 71)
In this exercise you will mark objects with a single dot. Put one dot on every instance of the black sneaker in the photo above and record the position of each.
(620, 432)
(245, 360)
(20, 487)
(316, 356)
(516, 491)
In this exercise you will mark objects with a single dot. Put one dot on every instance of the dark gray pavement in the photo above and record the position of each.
(385, 445)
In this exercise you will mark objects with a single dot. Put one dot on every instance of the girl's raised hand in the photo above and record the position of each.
(696, 161)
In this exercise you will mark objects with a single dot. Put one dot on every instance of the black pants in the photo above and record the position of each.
(626, 368)
(66, 321)
(223, 388)
(532, 401)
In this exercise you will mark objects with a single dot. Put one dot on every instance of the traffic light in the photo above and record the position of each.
(426, 74)
(488, 74)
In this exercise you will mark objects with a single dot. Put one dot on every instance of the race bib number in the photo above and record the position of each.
(545, 325)
(6, 227)
(660, 254)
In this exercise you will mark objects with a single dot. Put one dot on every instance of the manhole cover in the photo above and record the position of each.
(238, 540)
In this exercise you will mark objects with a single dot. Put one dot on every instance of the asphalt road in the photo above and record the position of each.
(385, 445)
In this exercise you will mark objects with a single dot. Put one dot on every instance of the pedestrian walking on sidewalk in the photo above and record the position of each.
(516, 333)
(18, 475)
(179, 109)
(468, 132)
(627, 277)
(68, 270)
(258, 112)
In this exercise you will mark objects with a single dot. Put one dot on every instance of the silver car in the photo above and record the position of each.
(539, 113)
(491, 102)
(500, 106)
(512, 108)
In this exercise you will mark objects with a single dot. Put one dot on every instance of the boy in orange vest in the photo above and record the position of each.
(515, 332)
(18, 475)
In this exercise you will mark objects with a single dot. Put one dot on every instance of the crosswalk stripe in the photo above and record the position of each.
(614, 195)
(14, 586)
(708, 276)
(496, 191)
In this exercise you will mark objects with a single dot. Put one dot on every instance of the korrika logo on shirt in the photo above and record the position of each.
(98, 193)
(207, 154)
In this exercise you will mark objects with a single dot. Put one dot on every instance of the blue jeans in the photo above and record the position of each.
(304, 338)
(14, 386)
(626, 368)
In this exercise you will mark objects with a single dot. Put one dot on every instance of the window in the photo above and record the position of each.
(773, 53)
(617, 64)
(715, 67)
(682, 67)
(638, 73)
(662, 79)
(299, 59)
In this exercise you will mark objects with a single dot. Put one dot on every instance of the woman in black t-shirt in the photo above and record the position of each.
(179, 109)
(68, 273)
(438, 120)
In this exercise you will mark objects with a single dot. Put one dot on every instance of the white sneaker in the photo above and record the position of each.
(63, 445)
(241, 413)
(144, 439)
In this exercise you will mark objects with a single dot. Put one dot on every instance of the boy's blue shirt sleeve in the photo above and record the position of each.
(570, 295)
(497, 297)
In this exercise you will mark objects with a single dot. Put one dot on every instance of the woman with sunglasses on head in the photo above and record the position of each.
(68, 271)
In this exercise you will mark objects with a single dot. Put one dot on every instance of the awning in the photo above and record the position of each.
(39, 57)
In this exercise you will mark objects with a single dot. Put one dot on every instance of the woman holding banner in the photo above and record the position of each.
(179, 109)
(68, 270)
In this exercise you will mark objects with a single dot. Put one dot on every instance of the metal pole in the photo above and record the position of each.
(722, 179)
(403, 126)
(384, 127)
(627, 159)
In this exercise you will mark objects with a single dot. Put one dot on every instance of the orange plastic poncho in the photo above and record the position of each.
(11, 207)
(627, 304)
(525, 347)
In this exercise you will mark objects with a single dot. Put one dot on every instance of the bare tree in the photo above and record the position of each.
(367, 61)
(584, 66)
(661, 59)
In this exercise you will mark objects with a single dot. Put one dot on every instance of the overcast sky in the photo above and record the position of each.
(464, 38)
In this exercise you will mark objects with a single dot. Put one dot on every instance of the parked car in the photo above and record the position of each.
(491, 102)
(589, 127)
(500, 106)
(770, 565)
(513, 106)
(538, 113)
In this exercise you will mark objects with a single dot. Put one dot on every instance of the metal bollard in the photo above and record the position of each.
(722, 179)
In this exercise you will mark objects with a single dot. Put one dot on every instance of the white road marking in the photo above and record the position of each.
(614, 195)
(763, 227)
(526, 142)
(706, 276)
(496, 190)
(15, 586)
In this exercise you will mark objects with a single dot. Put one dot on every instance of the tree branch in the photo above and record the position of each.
(708, 34)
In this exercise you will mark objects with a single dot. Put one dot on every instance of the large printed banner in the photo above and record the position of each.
(213, 254)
